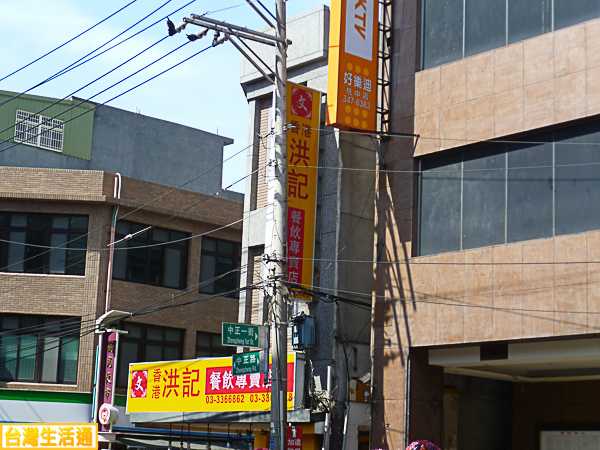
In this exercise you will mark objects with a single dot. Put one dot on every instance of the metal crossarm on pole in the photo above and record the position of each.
(276, 259)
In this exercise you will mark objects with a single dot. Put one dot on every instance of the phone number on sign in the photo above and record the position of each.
(357, 101)
(241, 398)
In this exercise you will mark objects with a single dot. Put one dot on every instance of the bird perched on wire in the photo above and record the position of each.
(171, 25)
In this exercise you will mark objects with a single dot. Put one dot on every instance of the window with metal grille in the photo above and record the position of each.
(35, 129)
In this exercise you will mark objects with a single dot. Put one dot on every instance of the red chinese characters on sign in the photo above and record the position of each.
(294, 438)
(165, 383)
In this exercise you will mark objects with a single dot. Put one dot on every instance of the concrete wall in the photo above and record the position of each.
(141, 147)
(163, 152)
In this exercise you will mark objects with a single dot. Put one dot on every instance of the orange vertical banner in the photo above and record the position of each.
(353, 60)
(303, 112)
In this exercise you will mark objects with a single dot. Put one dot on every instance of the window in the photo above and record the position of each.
(454, 29)
(511, 192)
(35, 129)
(39, 349)
(157, 256)
(28, 237)
(209, 344)
(147, 343)
(219, 267)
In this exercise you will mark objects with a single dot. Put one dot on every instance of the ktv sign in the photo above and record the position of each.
(352, 82)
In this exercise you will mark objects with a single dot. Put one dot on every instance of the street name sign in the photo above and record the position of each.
(245, 363)
(243, 335)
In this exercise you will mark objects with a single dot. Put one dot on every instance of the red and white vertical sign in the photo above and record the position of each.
(105, 384)
(294, 438)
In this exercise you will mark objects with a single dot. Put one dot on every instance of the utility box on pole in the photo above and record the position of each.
(303, 332)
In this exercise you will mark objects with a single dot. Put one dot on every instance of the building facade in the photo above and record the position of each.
(176, 256)
(87, 136)
(485, 312)
(344, 234)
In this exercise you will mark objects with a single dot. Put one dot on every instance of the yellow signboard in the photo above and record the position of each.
(352, 79)
(49, 435)
(304, 110)
(202, 385)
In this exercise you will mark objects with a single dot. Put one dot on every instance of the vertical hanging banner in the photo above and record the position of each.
(105, 391)
(303, 112)
(353, 61)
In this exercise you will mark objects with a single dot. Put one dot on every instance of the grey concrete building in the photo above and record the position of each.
(100, 137)
(344, 233)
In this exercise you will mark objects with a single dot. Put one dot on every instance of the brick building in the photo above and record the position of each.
(486, 282)
(55, 231)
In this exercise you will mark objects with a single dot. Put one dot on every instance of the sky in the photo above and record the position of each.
(203, 92)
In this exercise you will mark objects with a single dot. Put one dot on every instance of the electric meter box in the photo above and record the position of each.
(303, 332)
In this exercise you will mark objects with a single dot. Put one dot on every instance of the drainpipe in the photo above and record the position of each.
(111, 251)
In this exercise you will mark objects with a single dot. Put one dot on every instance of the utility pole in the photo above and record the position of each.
(276, 261)
(279, 364)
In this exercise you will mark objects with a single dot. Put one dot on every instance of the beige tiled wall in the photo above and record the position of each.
(546, 80)
(544, 287)
(89, 192)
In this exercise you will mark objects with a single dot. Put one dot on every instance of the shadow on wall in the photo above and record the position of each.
(391, 314)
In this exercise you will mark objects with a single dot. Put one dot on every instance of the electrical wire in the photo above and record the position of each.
(42, 327)
(90, 324)
(81, 61)
(70, 40)
(87, 111)
(101, 92)
(132, 212)
(31, 128)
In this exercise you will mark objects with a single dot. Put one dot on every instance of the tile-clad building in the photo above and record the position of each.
(485, 314)
(88, 196)
(55, 231)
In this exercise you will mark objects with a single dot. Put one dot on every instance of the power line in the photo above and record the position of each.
(136, 210)
(26, 132)
(122, 248)
(101, 92)
(79, 62)
(132, 212)
(70, 324)
(90, 329)
(70, 40)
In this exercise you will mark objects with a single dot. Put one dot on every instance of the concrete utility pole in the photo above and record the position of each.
(279, 364)
(276, 261)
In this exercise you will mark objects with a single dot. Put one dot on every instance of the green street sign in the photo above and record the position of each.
(245, 363)
(243, 335)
